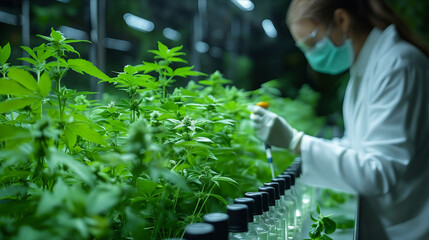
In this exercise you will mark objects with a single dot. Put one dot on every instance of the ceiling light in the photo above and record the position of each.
(245, 5)
(138, 23)
(171, 34)
(269, 28)
(201, 47)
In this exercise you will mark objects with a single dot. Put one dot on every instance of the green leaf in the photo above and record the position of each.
(118, 126)
(176, 49)
(130, 69)
(186, 71)
(171, 106)
(163, 50)
(146, 187)
(318, 209)
(29, 60)
(149, 67)
(70, 49)
(87, 132)
(219, 178)
(316, 231)
(81, 65)
(102, 199)
(12, 191)
(35, 233)
(24, 78)
(29, 51)
(213, 82)
(312, 218)
(203, 139)
(218, 197)
(15, 174)
(343, 222)
(49, 201)
(56, 35)
(45, 84)
(226, 122)
(329, 224)
(325, 237)
(176, 59)
(4, 54)
(80, 169)
(43, 52)
(76, 41)
(16, 103)
(156, 52)
(11, 87)
(45, 37)
(173, 177)
(69, 138)
(9, 131)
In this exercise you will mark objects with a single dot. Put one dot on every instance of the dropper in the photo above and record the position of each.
(267, 146)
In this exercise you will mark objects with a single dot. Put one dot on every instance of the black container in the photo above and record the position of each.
(249, 202)
(298, 169)
(295, 169)
(257, 198)
(270, 191)
(298, 166)
(287, 180)
(281, 183)
(276, 189)
(199, 231)
(220, 224)
(265, 204)
(292, 176)
(237, 221)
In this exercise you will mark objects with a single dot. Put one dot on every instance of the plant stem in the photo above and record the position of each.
(132, 103)
(206, 198)
(156, 228)
(116, 138)
(198, 202)
(41, 104)
(59, 100)
(164, 87)
(177, 164)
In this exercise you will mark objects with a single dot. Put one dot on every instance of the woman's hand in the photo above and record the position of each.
(274, 130)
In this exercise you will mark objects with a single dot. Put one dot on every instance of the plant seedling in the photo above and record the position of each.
(322, 226)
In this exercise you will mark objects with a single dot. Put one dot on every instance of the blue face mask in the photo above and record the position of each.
(325, 57)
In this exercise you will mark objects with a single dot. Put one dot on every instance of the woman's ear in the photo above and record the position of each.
(342, 19)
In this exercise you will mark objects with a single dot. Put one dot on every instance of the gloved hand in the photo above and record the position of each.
(274, 130)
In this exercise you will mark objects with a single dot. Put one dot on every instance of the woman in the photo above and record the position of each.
(384, 154)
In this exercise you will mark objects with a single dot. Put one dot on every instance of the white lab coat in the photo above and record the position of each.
(384, 154)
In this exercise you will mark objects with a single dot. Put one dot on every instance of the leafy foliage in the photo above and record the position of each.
(330, 198)
(322, 226)
(142, 167)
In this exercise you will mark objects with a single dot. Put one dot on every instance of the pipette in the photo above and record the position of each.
(267, 146)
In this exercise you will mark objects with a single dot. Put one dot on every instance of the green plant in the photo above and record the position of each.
(331, 198)
(142, 167)
(322, 226)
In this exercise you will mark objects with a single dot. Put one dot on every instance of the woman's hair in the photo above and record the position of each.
(365, 14)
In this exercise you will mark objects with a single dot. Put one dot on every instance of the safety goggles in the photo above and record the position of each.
(309, 41)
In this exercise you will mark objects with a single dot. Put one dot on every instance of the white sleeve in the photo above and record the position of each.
(386, 148)
(343, 141)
